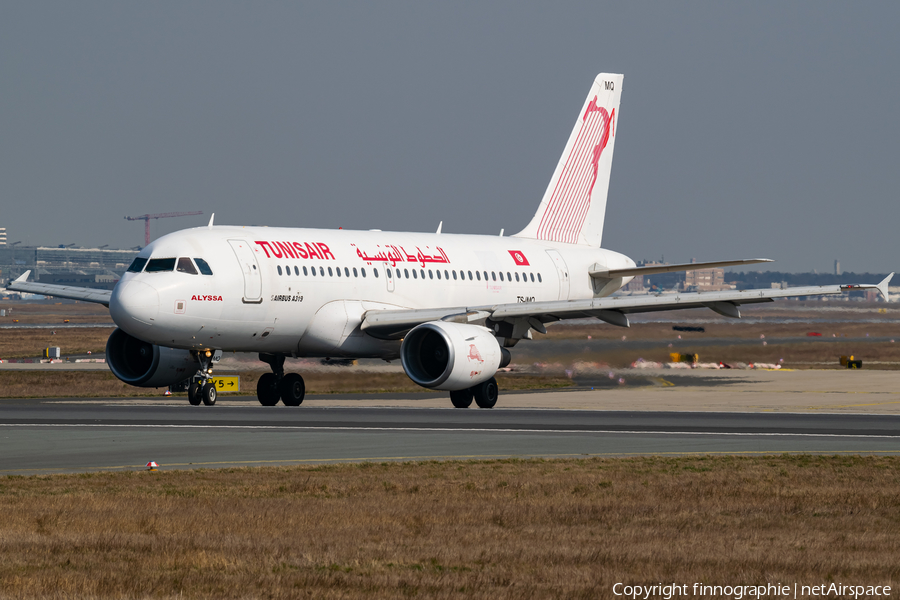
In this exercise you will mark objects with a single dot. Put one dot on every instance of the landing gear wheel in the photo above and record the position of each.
(292, 389)
(267, 389)
(461, 398)
(208, 394)
(486, 393)
(194, 394)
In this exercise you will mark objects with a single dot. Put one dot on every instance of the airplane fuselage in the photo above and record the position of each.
(304, 292)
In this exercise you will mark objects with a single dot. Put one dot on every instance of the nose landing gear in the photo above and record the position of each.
(203, 389)
(274, 386)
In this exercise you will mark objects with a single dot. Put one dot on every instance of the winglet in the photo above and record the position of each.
(211, 217)
(883, 287)
(440, 225)
(24, 277)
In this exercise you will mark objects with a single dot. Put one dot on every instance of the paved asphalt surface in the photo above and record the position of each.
(69, 435)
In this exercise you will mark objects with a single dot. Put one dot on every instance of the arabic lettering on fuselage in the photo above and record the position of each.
(398, 254)
(314, 250)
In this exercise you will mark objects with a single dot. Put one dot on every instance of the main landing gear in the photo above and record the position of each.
(288, 387)
(485, 395)
(203, 389)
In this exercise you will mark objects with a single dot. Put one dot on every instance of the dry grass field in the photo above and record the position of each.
(498, 529)
(816, 355)
(54, 312)
(30, 343)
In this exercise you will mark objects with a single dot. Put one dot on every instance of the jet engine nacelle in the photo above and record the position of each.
(451, 356)
(143, 364)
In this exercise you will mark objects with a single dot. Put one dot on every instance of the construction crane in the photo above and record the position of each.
(146, 220)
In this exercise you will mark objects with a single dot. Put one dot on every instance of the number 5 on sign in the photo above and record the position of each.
(231, 383)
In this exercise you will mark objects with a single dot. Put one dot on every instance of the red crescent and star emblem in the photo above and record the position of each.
(519, 258)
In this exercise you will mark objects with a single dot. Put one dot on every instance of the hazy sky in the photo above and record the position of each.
(746, 129)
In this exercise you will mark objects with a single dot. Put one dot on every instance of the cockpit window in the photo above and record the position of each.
(203, 266)
(186, 266)
(160, 264)
(137, 265)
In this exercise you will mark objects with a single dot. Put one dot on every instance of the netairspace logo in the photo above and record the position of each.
(739, 592)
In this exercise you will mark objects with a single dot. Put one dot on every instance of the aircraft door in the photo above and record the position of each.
(563, 272)
(250, 269)
(389, 278)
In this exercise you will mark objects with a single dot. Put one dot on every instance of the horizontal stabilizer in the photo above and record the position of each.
(654, 269)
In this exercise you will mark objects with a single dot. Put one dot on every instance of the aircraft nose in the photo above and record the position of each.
(134, 306)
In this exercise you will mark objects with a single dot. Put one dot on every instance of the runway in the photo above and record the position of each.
(67, 435)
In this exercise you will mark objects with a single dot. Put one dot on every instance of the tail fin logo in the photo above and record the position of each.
(571, 198)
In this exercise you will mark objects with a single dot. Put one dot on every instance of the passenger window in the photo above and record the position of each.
(493, 276)
(478, 275)
(287, 270)
(159, 265)
(346, 272)
(539, 278)
(414, 274)
(279, 269)
(338, 269)
(322, 271)
(363, 272)
(374, 272)
(355, 273)
(485, 275)
(454, 275)
(330, 273)
(470, 275)
(186, 266)
(501, 275)
(305, 272)
(446, 274)
(313, 271)
(508, 276)
(388, 273)
(517, 276)
(406, 273)
(137, 265)
(532, 277)
(438, 273)
(430, 274)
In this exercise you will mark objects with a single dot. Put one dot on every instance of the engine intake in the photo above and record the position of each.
(451, 356)
(143, 364)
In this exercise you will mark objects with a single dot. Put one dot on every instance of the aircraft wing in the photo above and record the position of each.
(520, 317)
(59, 291)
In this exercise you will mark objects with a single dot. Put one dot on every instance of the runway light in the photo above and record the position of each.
(152, 466)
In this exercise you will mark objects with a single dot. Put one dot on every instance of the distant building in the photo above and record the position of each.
(636, 285)
(837, 267)
(706, 280)
(84, 267)
(660, 281)
(2, 236)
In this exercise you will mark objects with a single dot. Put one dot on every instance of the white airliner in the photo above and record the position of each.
(449, 306)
